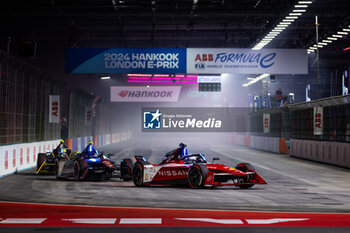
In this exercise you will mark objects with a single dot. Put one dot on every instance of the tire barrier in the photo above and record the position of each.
(335, 153)
(19, 157)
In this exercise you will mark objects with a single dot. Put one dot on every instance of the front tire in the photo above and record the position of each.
(137, 174)
(197, 175)
(245, 167)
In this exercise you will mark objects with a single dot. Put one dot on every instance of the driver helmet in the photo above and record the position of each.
(184, 151)
(90, 149)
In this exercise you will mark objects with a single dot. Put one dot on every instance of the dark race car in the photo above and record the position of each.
(178, 167)
(46, 161)
(87, 164)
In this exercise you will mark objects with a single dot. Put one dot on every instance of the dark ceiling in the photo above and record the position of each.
(170, 23)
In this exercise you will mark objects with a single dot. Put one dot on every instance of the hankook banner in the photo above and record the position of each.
(194, 119)
(145, 94)
(191, 60)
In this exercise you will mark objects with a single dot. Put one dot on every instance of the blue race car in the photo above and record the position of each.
(88, 164)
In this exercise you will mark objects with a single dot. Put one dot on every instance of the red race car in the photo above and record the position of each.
(178, 168)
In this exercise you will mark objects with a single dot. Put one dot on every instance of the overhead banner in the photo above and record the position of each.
(191, 60)
(145, 94)
(54, 111)
(318, 120)
(152, 61)
(247, 61)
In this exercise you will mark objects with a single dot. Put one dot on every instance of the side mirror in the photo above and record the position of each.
(215, 158)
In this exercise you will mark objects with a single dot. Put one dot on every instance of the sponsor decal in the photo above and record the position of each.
(21, 157)
(246, 61)
(28, 158)
(266, 122)
(6, 160)
(145, 94)
(14, 158)
(34, 153)
(172, 173)
(318, 120)
(54, 111)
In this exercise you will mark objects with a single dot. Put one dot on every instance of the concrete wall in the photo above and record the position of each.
(336, 153)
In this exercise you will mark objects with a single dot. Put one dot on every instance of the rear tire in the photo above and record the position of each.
(126, 167)
(137, 174)
(197, 175)
(245, 167)
(40, 161)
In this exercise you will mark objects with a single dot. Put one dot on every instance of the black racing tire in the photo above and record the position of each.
(126, 168)
(197, 175)
(41, 159)
(98, 177)
(137, 174)
(244, 167)
(77, 170)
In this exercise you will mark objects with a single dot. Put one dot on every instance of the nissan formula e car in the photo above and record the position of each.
(88, 164)
(178, 167)
(46, 161)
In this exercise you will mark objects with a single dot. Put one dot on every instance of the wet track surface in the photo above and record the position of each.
(293, 184)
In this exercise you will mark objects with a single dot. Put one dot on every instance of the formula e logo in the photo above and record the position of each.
(151, 120)
(123, 93)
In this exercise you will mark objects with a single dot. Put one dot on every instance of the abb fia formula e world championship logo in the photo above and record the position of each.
(152, 120)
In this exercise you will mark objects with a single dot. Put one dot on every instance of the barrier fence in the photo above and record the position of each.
(18, 157)
(336, 153)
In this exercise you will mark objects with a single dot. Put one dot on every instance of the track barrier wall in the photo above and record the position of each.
(336, 153)
(272, 144)
(19, 157)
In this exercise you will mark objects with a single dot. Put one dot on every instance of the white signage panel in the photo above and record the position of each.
(266, 122)
(54, 111)
(145, 94)
(246, 61)
(318, 120)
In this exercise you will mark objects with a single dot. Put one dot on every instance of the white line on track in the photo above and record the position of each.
(140, 221)
(23, 221)
(91, 220)
(212, 220)
(274, 220)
